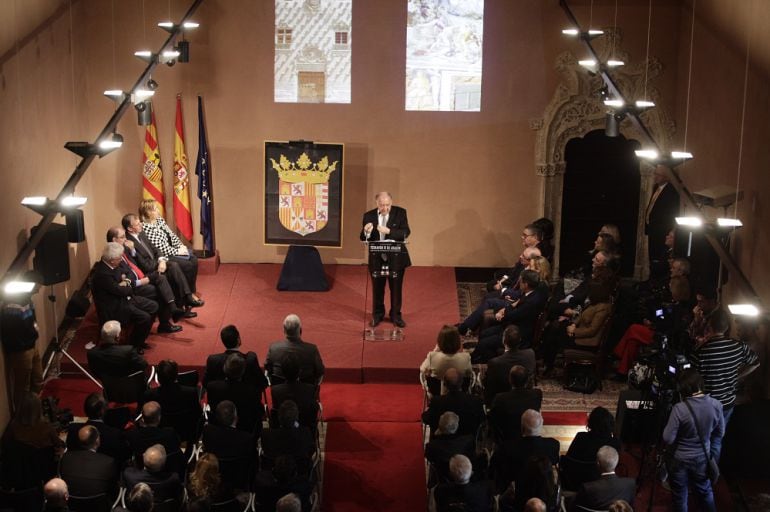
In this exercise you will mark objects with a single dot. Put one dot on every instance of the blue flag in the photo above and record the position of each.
(204, 183)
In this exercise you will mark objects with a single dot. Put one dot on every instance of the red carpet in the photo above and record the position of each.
(245, 295)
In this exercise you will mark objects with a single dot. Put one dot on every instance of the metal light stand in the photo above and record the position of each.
(57, 347)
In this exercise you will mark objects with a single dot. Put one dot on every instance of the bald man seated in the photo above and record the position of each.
(56, 495)
(164, 484)
(149, 432)
(86, 471)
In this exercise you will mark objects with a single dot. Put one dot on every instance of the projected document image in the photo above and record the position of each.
(443, 54)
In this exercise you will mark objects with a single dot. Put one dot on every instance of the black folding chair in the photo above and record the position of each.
(96, 503)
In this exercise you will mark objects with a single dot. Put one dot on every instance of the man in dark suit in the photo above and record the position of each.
(510, 460)
(150, 260)
(149, 432)
(223, 439)
(244, 394)
(309, 358)
(461, 493)
(387, 222)
(508, 407)
(215, 363)
(86, 471)
(601, 493)
(115, 299)
(56, 495)
(496, 379)
(522, 313)
(290, 438)
(111, 359)
(112, 441)
(659, 220)
(469, 408)
(180, 404)
(446, 443)
(164, 484)
(303, 394)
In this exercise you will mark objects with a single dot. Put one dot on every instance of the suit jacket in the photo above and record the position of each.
(443, 447)
(588, 328)
(600, 493)
(304, 395)
(469, 408)
(296, 442)
(663, 212)
(474, 497)
(525, 314)
(89, 473)
(215, 364)
(114, 360)
(586, 444)
(112, 441)
(165, 484)
(507, 408)
(308, 356)
(399, 230)
(496, 377)
(112, 300)
(228, 442)
(142, 438)
(181, 408)
(246, 397)
(146, 254)
(510, 460)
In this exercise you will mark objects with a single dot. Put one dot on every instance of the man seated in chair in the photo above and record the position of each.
(112, 440)
(303, 394)
(56, 495)
(461, 493)
(290, 438)
(223, 439)
(310, 363)
(496, 379)
(108, 359)
(149, 433)
(246, 396)
(470, 409)
(215, 363)
(446, 442)
(180, 404)
(270, 485)
(87, 472)
(508, 408)
(601, 493)
(165, 484)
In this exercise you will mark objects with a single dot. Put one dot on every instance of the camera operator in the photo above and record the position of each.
(706, 304)
(722, 361)
(687, 427)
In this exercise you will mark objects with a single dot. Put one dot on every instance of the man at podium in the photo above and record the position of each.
(387, 222)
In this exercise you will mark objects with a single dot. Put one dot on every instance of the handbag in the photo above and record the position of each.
(712, 468)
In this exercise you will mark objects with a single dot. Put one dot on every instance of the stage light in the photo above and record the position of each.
(647, 154)
(19, 287)
(743, 309)
(111, 143)
(681, 155)
(34, 201)
(729, 223)
(115, 95)
(73, 201)
(145, 55)
(588, 64)
(614, 103)
(644, 104)
(170, 26)
(693, 222)
(613, 63)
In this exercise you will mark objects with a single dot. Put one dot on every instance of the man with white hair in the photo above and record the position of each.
(446, 442)
(114, 296)
(113, 360)
(510, 460)
(460, 493)
(289, 503)
(307, 354)
(601, 493)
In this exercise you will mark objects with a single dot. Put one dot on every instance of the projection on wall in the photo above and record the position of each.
(312, 51)
(443, 54)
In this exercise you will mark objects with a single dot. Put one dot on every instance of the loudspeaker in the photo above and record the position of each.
(76, 231)
(52, 256)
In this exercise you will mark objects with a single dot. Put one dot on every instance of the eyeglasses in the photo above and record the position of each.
(526, 235)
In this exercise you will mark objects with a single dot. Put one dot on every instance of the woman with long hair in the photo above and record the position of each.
(205, 481)
(448, 353)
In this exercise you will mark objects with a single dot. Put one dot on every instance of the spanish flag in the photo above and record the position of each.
(182, 214)
(152, 173)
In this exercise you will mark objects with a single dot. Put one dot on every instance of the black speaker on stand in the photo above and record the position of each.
(52, 256)
(76, 231)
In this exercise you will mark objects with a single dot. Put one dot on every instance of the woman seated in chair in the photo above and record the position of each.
(205, 481)
(447, 354)
(585, 332)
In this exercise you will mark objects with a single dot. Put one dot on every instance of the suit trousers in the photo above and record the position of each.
(189, 267)
(142, 315)
(152, 293)
(178, 281)
(378, 295)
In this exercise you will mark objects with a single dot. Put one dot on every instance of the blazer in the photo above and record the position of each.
(304, 395)
(89, 473)
(507, 408)
(246, 397)
(111, 299)
(496, 377)
(399, 229)
(510, 460)
(146, 254)
(228, 442)
(114, 360)
(112, 441)
(588, 329)
(600, 493)
(309, 358)
(215, 368)
(469, 408)
(525, 314)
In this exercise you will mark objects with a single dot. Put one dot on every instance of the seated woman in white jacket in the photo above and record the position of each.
(447, 354)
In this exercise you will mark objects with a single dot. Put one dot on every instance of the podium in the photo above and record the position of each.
(385, 260)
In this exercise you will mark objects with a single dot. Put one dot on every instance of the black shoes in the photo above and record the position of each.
(169, 329)
(376, 319)
(398, 321)
(189, 314)
(177, 314)
(193, 303)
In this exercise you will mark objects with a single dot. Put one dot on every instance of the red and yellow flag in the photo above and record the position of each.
(152, 173)
(182, 214)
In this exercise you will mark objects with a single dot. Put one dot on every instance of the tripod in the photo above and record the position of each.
(57, 348)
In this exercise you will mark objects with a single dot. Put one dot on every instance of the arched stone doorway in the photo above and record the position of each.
(575, 110)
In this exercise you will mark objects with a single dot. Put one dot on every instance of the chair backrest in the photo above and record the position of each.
(125, 390)
(189, 378)
(237, 471)
(187, 424)
(574, 473)
(26, 499)
(231, 505)
(168, 505)
(96, 503)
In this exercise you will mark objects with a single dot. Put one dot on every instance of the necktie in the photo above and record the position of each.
(136, 270)
(139, 241)
(652, 203)
(383, 221)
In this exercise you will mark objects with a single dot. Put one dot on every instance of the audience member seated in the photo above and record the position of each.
(531, 238)
(271, 485)
(56, 495)
(546, 245)
(508, 408)
(165, 484)
(620, 506)
(108, 359)
(469, 408)
(540, 480)
(448, 353)
(600, 432)
(205, 481)
(115, 300)
(310, 363)
(245, 395)
(180, 405)
(445, 443)
(509, 460)
(168, 244)
(496, 379)
(112, 441)
(571, 293)
(30, 446)
(215, 363)
(138, 499)
(599, 494)
(522, 313)
(586, 332)
(289, 503)
(149, 432)
(223, 439)
(303, 394)
(461, 493)
(87, 472)
(290, 438)
(706, 304)
(535, 505)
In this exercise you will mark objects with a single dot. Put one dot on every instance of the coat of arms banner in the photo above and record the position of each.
(303, 193)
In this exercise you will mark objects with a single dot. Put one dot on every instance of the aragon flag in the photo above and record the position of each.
(152, 173)
(182, 214)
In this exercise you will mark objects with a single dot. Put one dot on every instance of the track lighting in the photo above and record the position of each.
(145, 55)
(152, 84)
(743, 309)
(144, 113)
(675, 157)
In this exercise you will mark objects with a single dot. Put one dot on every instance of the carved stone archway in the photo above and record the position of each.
(575, 109)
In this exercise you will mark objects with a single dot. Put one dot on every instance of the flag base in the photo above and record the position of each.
(208, 262)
